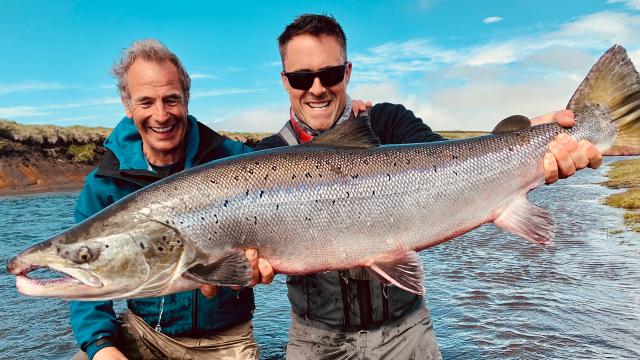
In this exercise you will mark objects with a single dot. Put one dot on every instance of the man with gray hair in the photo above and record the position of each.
(155, 139)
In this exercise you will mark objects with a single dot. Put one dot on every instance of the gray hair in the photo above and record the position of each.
(150, 50)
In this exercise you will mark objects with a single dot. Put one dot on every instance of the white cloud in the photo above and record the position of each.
(632, 4)
(222, 92)
(201, 75)
(20, 111)
(492, 19)
(258, 119)
(30, 86)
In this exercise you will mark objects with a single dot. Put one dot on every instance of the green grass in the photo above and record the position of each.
(82, 154)
(625, 174)
(51, 135)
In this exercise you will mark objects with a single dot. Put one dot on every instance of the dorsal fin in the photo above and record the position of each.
(353, 134)
(511, 124)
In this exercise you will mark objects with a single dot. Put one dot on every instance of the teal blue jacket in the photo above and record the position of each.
(124, 169)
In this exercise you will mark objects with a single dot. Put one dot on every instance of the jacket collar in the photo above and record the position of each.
(124, 158)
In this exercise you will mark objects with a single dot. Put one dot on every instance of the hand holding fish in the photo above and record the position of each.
(566, 155)
(262, 273)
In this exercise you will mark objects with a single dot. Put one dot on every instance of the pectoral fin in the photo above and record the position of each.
(232, 269)
(403, 270)
(527, 220)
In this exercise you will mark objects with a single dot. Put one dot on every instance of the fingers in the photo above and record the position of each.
(358, 106)
(577, 154)
(266, 271)
(209, 290)
(564, 118)
(550, 168)
(252, 256)
(568, 157)
(593, 154)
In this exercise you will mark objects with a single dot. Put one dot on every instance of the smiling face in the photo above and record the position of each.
(158, 108)
(320, 106)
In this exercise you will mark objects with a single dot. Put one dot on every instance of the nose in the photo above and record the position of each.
(316, 88)
(160, 111)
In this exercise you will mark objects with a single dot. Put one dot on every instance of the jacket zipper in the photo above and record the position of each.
(194, 313)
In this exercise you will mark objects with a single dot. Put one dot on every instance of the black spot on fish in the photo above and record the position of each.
(106, 246)
(510, 148)
(354, 176)
(274, 168)
(455, 172)
(293, 176)
(389, 176)
(261, 193)
(142, 246)
(236, 178)
(255, 220)
(395, 164)
(164, 238)
(226, 202)
(307, 175)
(435, 168)
(319, 175)
(333, 202)
(365, 161)
(202, 218)
(57, 250)
(266, 176)
(215, 232)
(373, 193)
(213, 181)
(160, 248)
(317, 201)
(307, 219)
(216, 217)
(251, 171)
(277, 206)
(317, 166)
(408, 161)
(454, 157)
(247, 193)
(257, 163)
(348, 195)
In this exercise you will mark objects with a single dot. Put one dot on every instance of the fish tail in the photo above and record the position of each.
(611, 93)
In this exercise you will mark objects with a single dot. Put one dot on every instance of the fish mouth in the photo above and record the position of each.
(52, 281)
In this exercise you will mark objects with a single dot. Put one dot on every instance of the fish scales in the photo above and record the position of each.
(349, 205)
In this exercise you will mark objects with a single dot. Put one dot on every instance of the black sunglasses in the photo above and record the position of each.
(303, 80)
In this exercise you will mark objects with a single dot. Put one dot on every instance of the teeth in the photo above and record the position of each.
(319, 105)
(163, 129)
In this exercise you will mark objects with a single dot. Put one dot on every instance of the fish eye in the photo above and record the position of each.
(85, 255)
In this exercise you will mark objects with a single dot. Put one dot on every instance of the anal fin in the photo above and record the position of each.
(527, 220)
(402, 270)
(232, 269)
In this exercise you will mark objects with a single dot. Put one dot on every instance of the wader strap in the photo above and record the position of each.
(288, 135)
(344, 289)
(385, 302)
(364, 300)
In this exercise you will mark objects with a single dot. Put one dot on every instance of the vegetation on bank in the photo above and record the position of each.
(625, 174)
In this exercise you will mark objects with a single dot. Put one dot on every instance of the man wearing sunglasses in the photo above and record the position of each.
(347, 314)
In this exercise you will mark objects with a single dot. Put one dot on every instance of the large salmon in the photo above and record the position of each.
(339, 202)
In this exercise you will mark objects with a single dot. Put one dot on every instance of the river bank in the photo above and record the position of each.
(625, 174)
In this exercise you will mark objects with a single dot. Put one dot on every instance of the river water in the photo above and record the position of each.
(492, 295)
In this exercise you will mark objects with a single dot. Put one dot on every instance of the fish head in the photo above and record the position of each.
(114, 258)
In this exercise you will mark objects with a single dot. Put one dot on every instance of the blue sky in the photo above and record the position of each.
(457, 64)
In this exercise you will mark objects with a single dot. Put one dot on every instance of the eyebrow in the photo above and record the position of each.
(309, 70)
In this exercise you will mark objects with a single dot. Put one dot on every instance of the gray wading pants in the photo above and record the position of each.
(140, 341)
(411, 337)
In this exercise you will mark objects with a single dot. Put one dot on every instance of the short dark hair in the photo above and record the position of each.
(312, 24)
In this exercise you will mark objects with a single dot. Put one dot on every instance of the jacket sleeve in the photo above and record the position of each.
(92, 320)
(394, 124)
